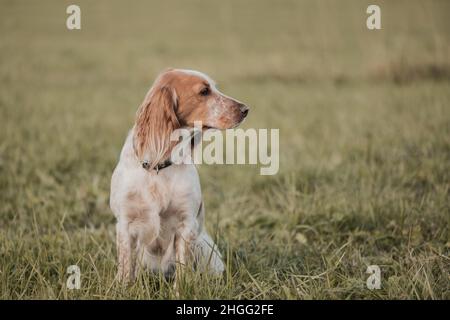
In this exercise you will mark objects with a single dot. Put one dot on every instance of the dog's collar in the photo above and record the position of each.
(159, 166)
(167, 163)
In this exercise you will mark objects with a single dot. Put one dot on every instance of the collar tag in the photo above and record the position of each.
(145, 164)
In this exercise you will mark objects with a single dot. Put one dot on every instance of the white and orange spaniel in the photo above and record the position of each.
(158, 204)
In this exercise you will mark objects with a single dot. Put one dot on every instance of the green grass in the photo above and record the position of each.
(364, 119)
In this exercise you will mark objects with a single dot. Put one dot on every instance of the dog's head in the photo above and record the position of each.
(177, 99)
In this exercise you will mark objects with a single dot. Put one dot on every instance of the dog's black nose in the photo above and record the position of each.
(244, 110)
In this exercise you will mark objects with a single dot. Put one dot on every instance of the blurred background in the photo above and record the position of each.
(364, 119)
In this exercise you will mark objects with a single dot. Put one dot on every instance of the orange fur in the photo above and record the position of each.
(155, 121)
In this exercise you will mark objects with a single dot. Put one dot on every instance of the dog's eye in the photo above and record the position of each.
(205, 91)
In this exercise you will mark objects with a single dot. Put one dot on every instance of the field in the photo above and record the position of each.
(364, 119)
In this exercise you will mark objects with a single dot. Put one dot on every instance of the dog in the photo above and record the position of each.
(158, 204)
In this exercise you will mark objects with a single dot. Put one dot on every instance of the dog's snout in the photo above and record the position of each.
(244, 109)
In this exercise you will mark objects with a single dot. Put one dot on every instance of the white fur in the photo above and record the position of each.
(168, 205)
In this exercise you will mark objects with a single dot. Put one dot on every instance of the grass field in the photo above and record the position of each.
(364, 119)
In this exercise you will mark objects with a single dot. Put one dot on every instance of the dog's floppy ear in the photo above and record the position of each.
(156, 119)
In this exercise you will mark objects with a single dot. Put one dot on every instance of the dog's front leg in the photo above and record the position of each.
(185, 236)
(124, 252)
